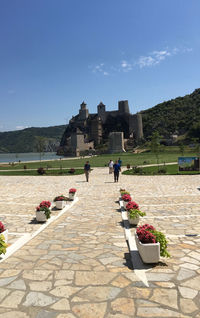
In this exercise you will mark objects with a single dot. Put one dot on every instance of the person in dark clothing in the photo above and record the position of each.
(120, 162)
(117, 169)
(87, 170)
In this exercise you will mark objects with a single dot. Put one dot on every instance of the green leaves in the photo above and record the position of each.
(134, 213)
(3, 245)
(160, 237)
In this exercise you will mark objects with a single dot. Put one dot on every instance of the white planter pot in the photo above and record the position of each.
(125, 204)
(5, 234)
(40, 216)
(60, 205)
(133, 221)
(72, 196)
(150, 253)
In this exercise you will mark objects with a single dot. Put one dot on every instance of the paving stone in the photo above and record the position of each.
(90, 310)
(15, 314)
(184, 274)
(62, 304)
(93, 278)
(3, 293)
(165, 296)
(46, 314)
(67, 315)
(193, 283)
(64, 274)
(18, 284)
(135, 292)
(77, 253)
(195, 255)
(145, 303)
(13, 300)
(158, 312)
(36, 274)
(100, 293)
(64, 291)
(123, 306)
(165, 284)
(189, 266)
(187, 292)
(6, 281)
(117, 316)
(159, 277)
(38, 299)
(187, 306)
(40, 286)
(9, 273)
(121, 282)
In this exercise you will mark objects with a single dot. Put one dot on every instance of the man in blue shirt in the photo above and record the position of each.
(117, 169)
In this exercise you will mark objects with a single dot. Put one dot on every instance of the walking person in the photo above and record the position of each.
(110, 165)
(87, 170)
(117, 169)
(120, 162)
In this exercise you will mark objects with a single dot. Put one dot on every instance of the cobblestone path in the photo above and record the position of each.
(80, 265)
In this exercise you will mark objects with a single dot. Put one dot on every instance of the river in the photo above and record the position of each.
(29, 156)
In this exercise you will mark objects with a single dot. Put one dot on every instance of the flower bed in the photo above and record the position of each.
(43, 211)
(72, 193)
(3, 239)
(151, 244)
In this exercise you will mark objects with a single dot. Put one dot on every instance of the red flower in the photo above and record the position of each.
(47, 204)
(2, 228)
(132, 205)
(126, 197)
(146, 227)
(72, 190)
(145, 237)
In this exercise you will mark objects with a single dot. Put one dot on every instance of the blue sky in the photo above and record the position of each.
(56, 53)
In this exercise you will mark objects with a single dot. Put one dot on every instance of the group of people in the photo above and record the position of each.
(113, 168)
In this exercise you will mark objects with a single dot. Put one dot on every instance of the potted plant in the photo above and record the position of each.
(43, 211)
(133, 212)
(4, 232)
(72, 171)
(3, 244)
(134, 216)
(126, 198)
(60, 201)
(151, 244)
(123, 191)
(72, 193)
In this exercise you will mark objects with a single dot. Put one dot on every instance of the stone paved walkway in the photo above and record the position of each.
(80, 265)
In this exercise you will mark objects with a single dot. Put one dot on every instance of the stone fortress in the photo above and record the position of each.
(86, 132)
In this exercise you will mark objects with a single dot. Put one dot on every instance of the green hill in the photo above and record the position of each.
(25, 141)
(180, 115)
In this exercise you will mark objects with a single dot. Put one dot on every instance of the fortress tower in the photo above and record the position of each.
(83, 112)
(101, 110)
(123, 107)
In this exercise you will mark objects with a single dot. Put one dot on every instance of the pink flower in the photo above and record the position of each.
(147, 227)
(126, 197)
(2, 228)
(47, 204)
(145, 237)
(72, 190)
(131, 205)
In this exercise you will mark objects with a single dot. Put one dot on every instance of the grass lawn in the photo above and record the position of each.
(170, 170)
(35, 173)
(169, 155)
